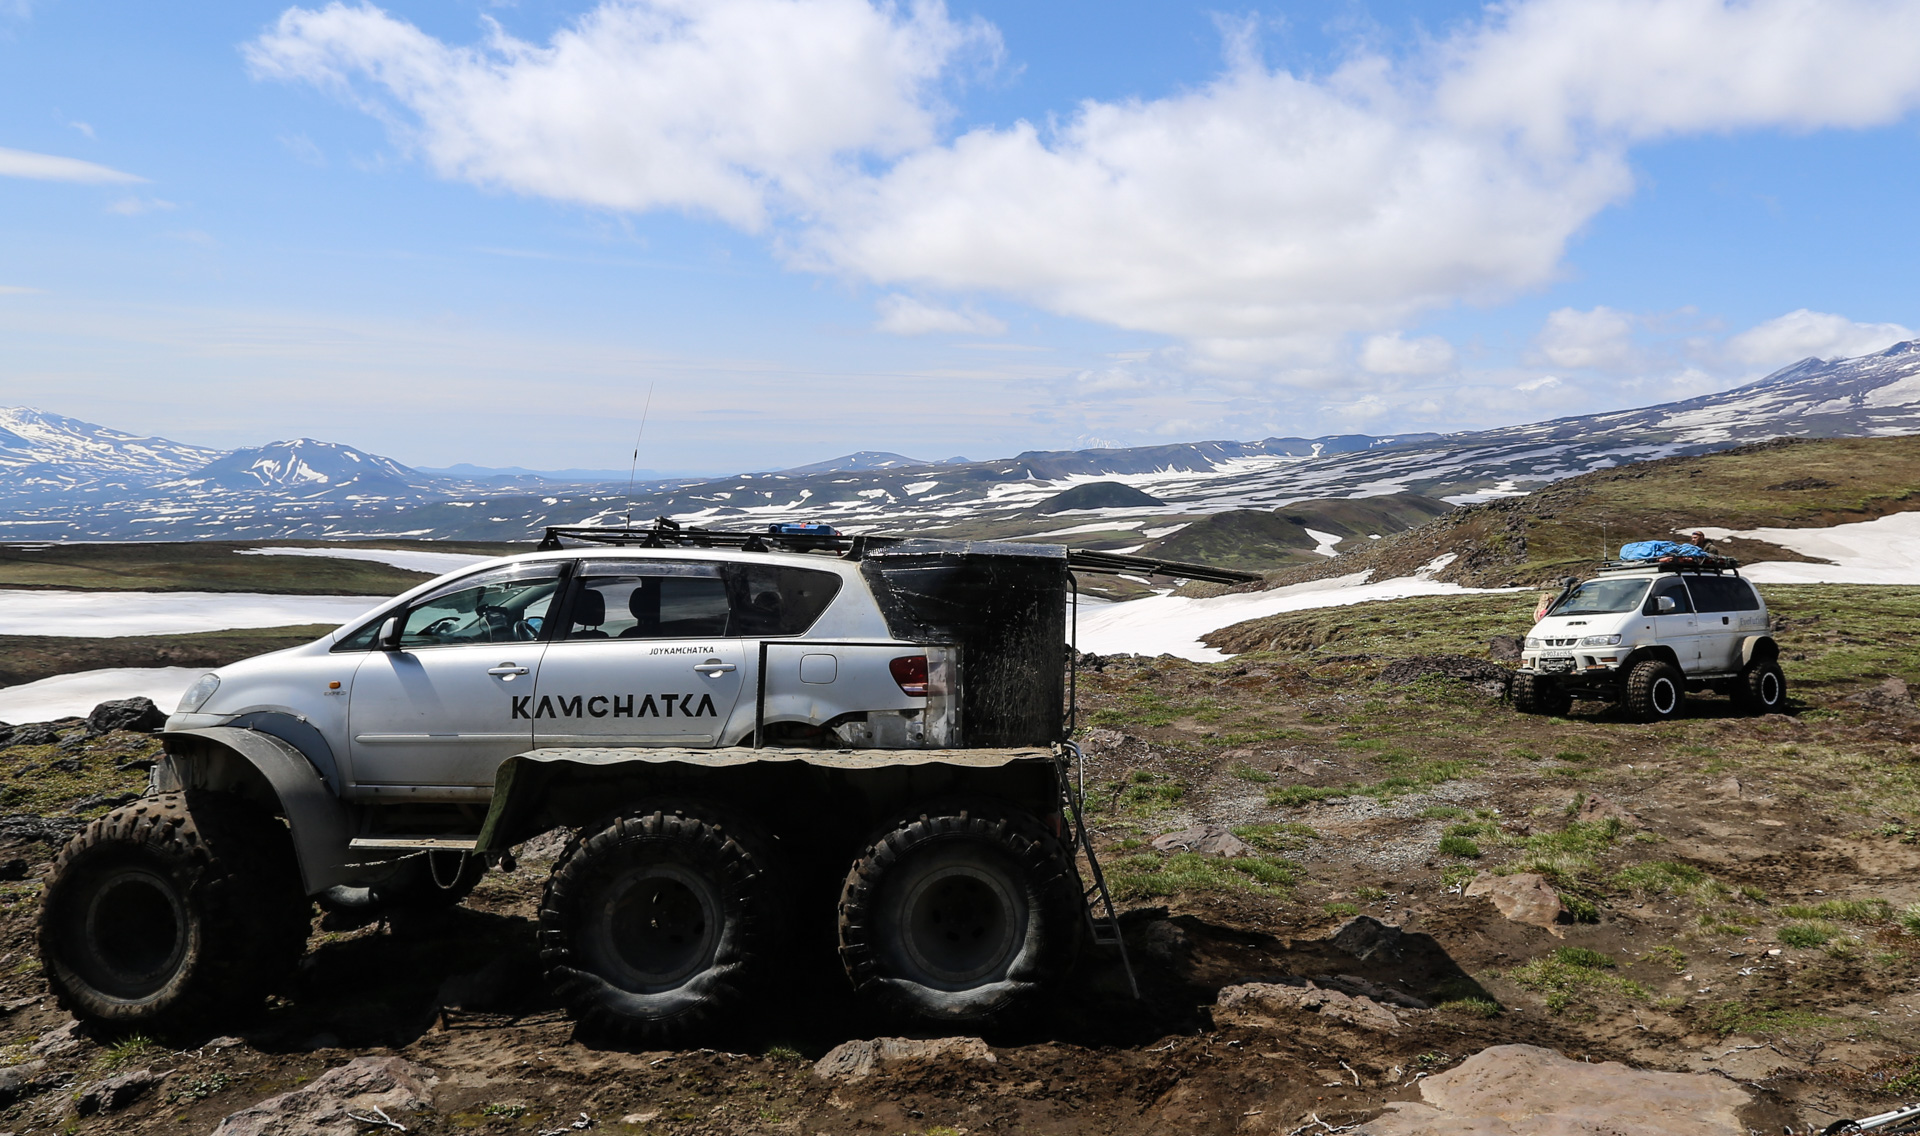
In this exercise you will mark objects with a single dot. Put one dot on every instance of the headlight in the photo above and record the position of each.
(1533, 642)
(197, 694)
(1600, 641)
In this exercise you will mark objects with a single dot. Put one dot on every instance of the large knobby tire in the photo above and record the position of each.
(1656, 691)
(960, 916)
(176, 911)
(1539, 694)
(655, 927)
(431, 881)
(1763, 688)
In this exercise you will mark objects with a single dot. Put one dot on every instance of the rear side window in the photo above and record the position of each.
(648, 600)
(1722, 593)
(776, 599)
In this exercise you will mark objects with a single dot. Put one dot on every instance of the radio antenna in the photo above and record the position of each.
(634, 468)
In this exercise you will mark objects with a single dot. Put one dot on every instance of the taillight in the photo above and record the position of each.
(910, 671)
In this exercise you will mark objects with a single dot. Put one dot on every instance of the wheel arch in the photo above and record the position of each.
(1758, 649)
(273, 772)
(1659, 651)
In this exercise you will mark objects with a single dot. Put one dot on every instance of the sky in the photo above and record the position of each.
(781, 230)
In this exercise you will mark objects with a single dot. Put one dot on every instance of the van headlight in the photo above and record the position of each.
(1533, 643)
(1600, 641)
(197, 694)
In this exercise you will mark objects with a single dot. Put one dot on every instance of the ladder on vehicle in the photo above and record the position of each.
(1102, 920)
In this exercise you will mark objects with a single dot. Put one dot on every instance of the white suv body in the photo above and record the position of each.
(660, 647)
(1682, 629)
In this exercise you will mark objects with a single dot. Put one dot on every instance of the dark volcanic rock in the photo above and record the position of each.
(1487, 677)
(138, 714)
(32, 734)
(26, 826)
(116, 1092)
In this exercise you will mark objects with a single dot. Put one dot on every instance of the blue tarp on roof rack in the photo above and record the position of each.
(1659, 549)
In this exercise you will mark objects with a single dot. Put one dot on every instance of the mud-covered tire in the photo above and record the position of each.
(656, 926)
(1656, 691)
(176, 911)
(962, 915)
(1539, 694)
(432, 881)
(1762, 688)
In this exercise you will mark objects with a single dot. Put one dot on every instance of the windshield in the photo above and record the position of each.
(1601, 597)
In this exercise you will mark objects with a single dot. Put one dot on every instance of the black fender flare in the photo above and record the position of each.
(272, 770)
(1757, 649)
(1641, 654)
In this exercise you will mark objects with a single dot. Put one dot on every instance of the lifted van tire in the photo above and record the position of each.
(172, 911)
(1539, 694)
(1763, 688)
(431, 881)
(960, 915)
(655, 925)
(1656, 691)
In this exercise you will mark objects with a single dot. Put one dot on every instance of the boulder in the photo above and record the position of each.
(1206, 840)
(323, 1108)
(1270, 1004)
(1890, 697)
(1505, 648)
(864, 1058)
(116, 1092)
(1363, 936)
(1524, 1090)
(126, 714)
(32, 734)
(1524, 897)
(1487, 677)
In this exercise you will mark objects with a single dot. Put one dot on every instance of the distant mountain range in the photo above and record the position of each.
(68, 479)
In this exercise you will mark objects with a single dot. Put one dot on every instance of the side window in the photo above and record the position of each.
(776, 599)
(1722, 593)
(361, 640)
(507, 606)
(1671, 586)
(660, 600)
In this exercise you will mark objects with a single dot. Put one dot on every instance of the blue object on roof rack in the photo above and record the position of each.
(802, 528)
(1659, 550)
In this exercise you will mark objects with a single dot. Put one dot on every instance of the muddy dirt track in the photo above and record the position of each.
(1732, 892)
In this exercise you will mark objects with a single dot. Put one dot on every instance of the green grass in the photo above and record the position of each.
(1148, 874)
(131, 1050)
(1471, 1007)
(1249, 773)
(1572, 976)
(1666, 877)
(1807, 933)
(1909, 918)
(1842, 911)
(1443, 812)
(1340, 910)
(1766, 1018)
(1460, 847)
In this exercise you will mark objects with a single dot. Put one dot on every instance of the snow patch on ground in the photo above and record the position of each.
(1885, 550)
(432, 563)
(73, 695)
(100, 615)
(1324, 542)
(1173, 625)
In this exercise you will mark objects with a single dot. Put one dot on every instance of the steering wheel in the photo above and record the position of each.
(440, 627)
(502, 623)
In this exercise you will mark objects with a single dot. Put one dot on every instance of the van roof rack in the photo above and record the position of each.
(1713, 564)
(664, 533)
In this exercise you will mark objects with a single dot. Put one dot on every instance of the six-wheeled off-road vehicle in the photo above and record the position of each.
(1645, 634)
(755, 741)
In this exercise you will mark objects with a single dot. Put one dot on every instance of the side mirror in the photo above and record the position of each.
(1667, 605)
(389, 639)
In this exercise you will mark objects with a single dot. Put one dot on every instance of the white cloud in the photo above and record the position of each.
(1262, 217)
(1600, 339)
(904, 315)
(706, 105)
(1799, 334)
(1544, 382)
(48, 167)
(1391, 355)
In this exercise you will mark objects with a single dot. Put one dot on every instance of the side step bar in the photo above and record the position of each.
(1102, 920)
(413, 843)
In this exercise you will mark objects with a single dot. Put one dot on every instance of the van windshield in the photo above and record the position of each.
(1602, 597)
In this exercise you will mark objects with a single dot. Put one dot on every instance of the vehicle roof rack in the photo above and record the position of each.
(664, 533)
(1711, 564)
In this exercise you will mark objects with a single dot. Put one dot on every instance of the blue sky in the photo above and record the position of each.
(439, 232)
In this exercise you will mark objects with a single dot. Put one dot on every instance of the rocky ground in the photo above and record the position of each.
(1358, 889)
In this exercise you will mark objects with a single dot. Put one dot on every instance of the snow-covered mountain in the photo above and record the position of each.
(51, 453)
(70, 479)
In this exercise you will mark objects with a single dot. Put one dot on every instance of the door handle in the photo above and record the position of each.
(714, 667)
(507, 669)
